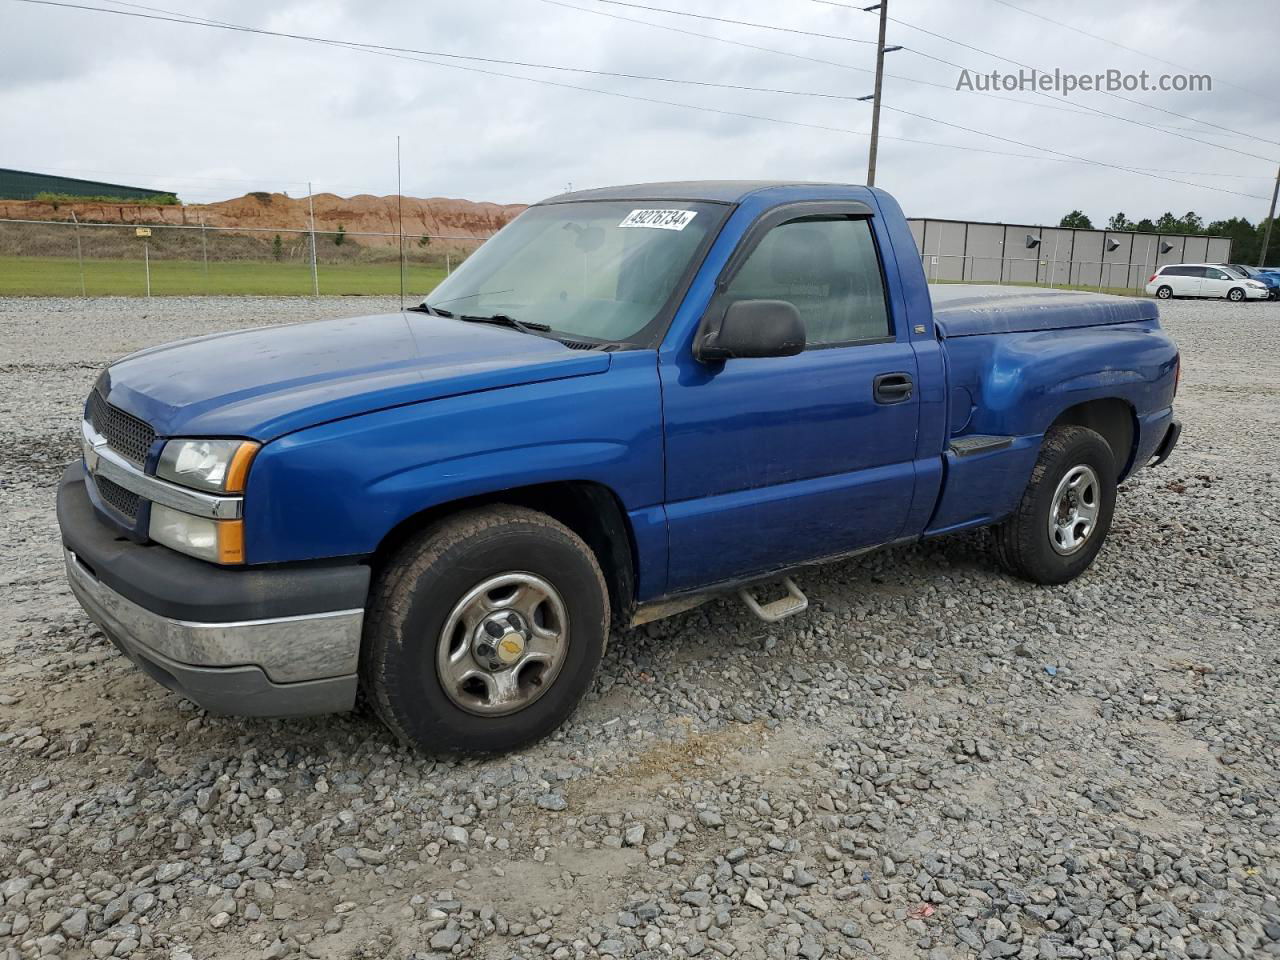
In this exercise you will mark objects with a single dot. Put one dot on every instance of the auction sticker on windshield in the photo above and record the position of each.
(659, 219)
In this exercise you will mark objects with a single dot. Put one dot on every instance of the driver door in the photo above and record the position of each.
(776, 461)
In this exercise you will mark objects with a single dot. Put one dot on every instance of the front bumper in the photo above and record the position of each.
(273, 642)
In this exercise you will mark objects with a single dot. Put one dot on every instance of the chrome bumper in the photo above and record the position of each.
(285, 666)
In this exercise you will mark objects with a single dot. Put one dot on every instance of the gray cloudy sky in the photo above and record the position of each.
(213, 114)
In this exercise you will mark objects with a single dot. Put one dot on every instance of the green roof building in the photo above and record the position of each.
(25, 185)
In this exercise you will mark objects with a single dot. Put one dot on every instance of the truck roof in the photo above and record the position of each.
(709, 191)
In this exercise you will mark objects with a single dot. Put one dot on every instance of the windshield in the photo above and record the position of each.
(1241, 268)
(602, 270)
(1233, 271)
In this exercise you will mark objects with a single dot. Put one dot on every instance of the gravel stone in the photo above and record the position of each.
(894, 773)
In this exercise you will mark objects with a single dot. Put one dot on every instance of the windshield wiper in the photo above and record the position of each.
(504, 320)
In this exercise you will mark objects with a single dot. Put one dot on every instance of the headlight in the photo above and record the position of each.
(213, 466)
(219, 541)
(218, 466)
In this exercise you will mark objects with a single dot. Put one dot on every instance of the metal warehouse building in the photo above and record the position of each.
(25, 185)
(1019, 253)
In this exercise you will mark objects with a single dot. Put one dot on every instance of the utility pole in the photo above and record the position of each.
(1271, 215)
(881, 50)
(875, 102)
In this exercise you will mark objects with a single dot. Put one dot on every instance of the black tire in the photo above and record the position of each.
(1164, 293)
(411, 602)
(1022, 542)
(1235, 294)
(1273, 294)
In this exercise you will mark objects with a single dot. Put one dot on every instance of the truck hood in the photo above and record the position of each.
(270, 381)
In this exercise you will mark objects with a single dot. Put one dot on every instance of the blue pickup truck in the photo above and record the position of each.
(627, 401)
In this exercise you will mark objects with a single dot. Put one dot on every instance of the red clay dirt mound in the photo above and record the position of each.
(435, 216)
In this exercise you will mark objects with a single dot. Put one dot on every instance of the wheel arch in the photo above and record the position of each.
(1112, 417)
(591, 510)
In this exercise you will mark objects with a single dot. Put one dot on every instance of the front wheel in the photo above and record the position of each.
(1235, 294)
(485, 632)
(1065, 511)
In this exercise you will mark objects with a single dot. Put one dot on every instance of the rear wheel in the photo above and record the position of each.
(485, 632)
(1235, 294)
(1065, 511)
(1165, 293)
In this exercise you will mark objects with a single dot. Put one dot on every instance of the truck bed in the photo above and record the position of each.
(970, 310)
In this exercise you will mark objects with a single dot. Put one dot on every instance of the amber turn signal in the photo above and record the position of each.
(230, 541)
(238, 469)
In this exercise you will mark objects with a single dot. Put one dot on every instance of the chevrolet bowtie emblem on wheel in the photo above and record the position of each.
(509, 649)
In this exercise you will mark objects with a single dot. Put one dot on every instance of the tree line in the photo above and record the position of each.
(1246, 238)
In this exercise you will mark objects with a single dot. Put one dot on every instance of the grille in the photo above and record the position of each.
(124, 502)
(125, 433)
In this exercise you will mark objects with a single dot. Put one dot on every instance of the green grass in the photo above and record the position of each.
(60, 277)
(155, 200)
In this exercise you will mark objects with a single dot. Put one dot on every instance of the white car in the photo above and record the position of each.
(1203, 280)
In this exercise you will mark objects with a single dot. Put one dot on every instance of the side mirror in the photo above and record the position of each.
(752, 328)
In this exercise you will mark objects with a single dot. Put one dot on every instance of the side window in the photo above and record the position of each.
(829, 269)
(1213, 274)
(1176, 272)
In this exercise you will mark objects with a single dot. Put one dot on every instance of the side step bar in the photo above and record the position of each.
(967, 446)
(794, 602)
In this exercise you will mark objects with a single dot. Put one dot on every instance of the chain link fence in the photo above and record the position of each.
(66, 258)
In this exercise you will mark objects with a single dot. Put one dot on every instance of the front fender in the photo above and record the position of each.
(337, 489)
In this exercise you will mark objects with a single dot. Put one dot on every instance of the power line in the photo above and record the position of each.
(358, 47)
(621, 3)
(400, 53)
(691, 82)
(927, 56)
(526, 63)
(1070, 156)
(740, 23)
(177, 17)
(949, 88)
(1107, 93)
(1115, 43)
(1091, 110)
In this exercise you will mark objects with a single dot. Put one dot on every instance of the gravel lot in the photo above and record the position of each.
(935, 761)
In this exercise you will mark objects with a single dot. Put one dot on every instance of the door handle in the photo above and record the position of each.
(892, 387)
